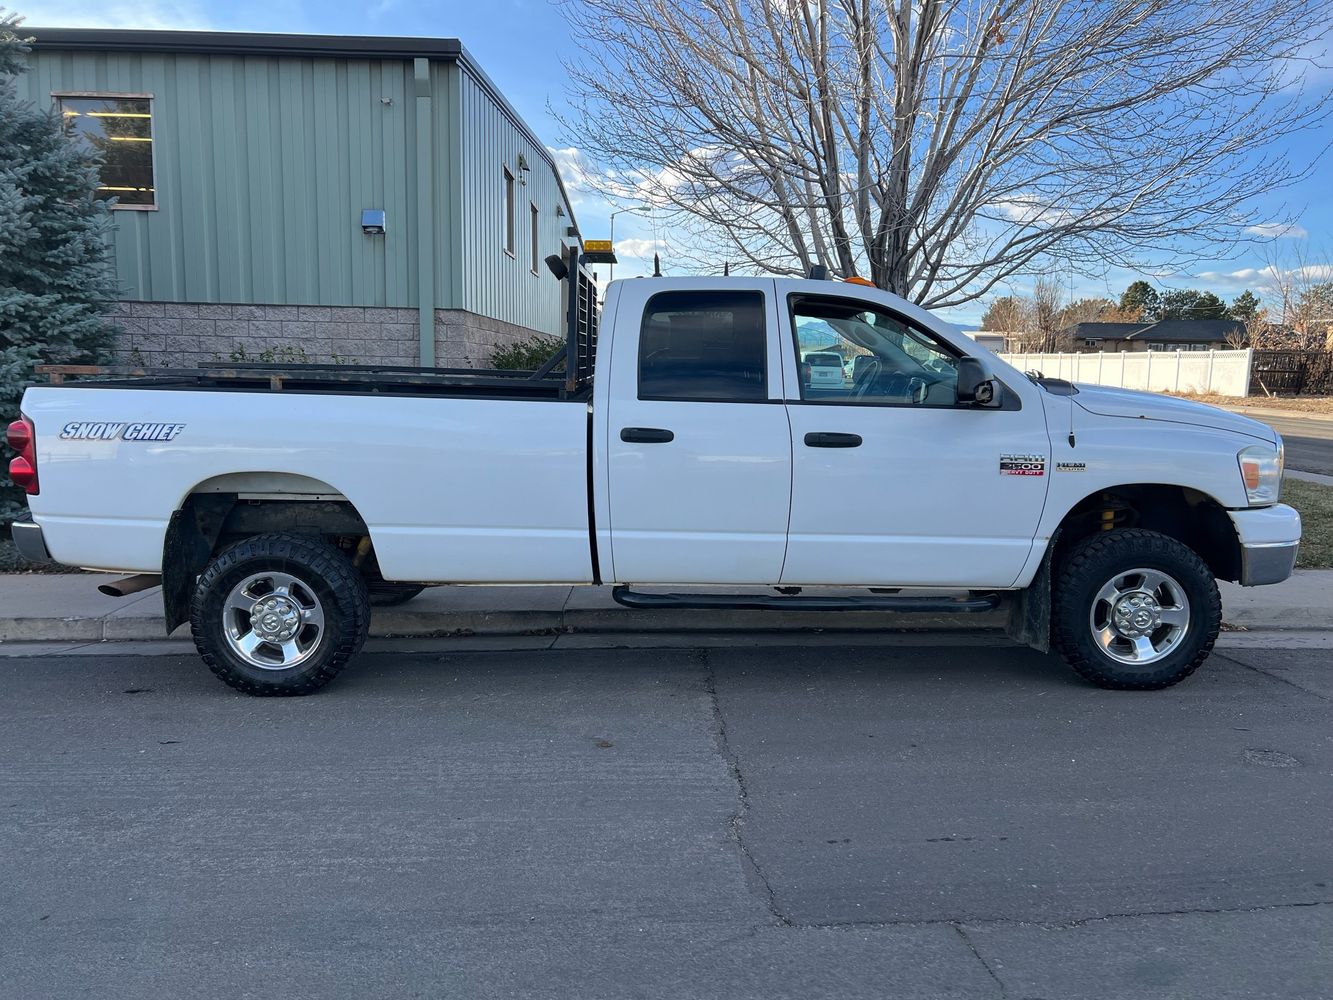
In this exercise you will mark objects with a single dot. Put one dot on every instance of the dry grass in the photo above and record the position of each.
(1295, 404)
(1315, 502)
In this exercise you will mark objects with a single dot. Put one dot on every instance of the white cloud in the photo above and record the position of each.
(1242, 278)
(1275, 230)
(1032, 211)
(145, 14)
(638, 248)
(574, 171)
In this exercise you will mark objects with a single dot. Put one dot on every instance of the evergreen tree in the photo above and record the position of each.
(1188, 304)
(55, 280)
(1245, 307)
(1141, 301)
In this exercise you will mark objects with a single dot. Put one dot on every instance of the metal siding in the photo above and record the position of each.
(494, 284)
(262, 167)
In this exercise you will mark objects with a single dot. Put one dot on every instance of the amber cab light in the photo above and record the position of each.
(23, 469)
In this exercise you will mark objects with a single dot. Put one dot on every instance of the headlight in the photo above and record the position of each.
(1261, 471)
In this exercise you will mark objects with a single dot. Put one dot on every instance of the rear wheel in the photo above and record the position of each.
(279, 614)
(1134, 610)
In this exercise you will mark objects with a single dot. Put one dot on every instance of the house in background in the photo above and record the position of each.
(317, 198)
(1165, 335)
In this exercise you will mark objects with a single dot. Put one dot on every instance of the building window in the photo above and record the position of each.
(1156, 346)
(1091, 343)
(533, 214)
(120, 128)
(509, 212)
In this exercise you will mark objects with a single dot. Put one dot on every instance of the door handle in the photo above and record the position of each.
(646, 435)
(830, 439)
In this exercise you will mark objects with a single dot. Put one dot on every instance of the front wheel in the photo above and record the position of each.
(279, 614)
(1134, 610)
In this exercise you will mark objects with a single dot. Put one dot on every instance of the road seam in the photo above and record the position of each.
(1270, 675)
(737, 822)
(957, 922)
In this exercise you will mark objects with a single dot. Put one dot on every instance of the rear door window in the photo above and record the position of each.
(704, 345)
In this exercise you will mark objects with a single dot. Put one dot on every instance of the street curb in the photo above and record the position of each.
(397, 623)
(1263, 411)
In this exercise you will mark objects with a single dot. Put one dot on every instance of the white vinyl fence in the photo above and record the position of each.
(1226, 373)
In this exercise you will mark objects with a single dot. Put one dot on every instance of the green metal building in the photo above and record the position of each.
(314, 198)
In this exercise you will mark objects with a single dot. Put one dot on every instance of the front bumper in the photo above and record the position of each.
(27, 535)
(1270, 538)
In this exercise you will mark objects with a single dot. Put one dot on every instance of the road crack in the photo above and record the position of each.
(1004, 993)
(736, 825)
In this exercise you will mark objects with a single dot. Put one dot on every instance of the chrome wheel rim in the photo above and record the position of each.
(1139, 616)
(273, 621)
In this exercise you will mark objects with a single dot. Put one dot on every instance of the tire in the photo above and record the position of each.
(1118, 603)
(315, 608)
(390, 595)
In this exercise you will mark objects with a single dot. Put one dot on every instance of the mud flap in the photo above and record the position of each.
(1030, 613)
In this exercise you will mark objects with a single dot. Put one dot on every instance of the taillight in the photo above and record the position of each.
(23, 469)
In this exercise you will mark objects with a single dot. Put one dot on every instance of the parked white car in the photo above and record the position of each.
(266, 501)
(824, 370)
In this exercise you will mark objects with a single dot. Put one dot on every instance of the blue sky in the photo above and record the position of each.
(520, 44)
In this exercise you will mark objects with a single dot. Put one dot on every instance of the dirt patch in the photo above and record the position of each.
(1296, 404)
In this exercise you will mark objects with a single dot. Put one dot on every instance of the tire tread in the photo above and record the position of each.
(305, 552)
(1068, 623)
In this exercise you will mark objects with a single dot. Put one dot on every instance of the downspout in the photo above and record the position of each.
(425, 212)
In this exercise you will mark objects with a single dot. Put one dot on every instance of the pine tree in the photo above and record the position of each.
(56, 283)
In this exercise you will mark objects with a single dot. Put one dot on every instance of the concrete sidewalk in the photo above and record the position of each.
(68, 608)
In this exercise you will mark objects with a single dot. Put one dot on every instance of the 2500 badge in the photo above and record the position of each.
(120, 432)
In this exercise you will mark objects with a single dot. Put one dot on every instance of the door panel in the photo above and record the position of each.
(699, 480)
(925, 498)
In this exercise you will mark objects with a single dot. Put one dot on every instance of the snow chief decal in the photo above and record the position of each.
(120, 432)
(1022, 465)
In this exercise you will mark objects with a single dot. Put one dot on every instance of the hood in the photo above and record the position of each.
(1109, 402)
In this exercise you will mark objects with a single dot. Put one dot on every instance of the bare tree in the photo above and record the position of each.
(1303, 283)
(941, 146)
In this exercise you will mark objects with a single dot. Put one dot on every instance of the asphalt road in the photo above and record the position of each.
(1309, 442)
(828, 821)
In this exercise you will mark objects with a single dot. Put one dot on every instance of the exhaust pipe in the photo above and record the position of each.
(130, 585)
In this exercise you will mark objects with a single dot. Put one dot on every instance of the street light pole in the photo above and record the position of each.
(619, 211)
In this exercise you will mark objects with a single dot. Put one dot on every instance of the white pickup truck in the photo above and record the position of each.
(271, 503)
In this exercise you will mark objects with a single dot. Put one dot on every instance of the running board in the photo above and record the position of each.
(764, 602)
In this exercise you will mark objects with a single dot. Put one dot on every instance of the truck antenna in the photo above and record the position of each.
(657, 266)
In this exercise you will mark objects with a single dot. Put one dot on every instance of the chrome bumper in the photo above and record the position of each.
(1263, 564)
(28, 539)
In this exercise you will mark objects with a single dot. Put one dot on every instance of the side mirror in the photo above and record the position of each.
(974, 386)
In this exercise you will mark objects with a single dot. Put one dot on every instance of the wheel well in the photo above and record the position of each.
(1185, 514)
(207, 522)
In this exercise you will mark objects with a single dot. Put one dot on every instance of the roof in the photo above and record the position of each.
(1167, 331)
(1104, 331)
(1190, 330)
(240, 43)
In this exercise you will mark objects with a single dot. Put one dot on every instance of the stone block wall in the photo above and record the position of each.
(466, 339)
(182, 334)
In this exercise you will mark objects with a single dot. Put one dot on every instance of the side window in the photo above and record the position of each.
(851, 352)
(703, 346)
(509, 212)
(121, 129)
